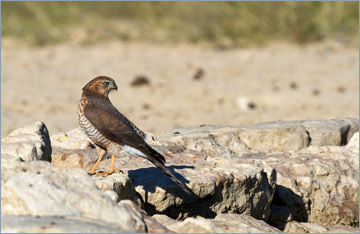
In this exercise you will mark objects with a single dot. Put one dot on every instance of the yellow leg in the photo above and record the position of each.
(92, 172)
(111, 171)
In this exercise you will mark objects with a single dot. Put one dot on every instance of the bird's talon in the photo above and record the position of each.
(105, 172)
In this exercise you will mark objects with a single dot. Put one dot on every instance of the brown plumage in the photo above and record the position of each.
(112, 132)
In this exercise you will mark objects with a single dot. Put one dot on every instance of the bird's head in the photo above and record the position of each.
(101, 85)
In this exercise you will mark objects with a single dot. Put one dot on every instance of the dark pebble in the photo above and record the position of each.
(251, 105)
(146, 106)
(341, 89)
(316, 92)
(140, 81)
(293, 85)
(199, 74)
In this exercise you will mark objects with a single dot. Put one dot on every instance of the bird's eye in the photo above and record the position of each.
(106, 84)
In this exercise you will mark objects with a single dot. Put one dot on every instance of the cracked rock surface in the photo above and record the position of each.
(292, 176)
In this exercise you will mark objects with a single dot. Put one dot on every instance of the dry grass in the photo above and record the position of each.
(220, 23)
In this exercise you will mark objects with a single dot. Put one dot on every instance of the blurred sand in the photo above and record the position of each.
(282, 82)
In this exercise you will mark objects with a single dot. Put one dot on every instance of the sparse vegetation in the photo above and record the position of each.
(220, 23)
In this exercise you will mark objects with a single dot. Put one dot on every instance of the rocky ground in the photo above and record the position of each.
(247, 174)
(282, 176)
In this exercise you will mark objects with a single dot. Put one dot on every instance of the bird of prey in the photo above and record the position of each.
(112, 132)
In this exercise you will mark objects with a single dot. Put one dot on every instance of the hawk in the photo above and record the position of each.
(110, 131)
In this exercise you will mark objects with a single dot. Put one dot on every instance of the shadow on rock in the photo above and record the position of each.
(150, 178)
(287, 206)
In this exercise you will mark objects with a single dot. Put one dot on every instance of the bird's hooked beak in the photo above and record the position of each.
(114, 87)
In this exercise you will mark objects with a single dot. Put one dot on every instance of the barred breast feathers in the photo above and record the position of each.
(94, 136)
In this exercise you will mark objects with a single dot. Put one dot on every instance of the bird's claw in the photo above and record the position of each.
(91, 173)
(106, 172)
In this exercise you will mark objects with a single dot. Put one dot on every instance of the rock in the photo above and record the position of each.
(275, 171)
(285, 136)
(56, 224)
(119, 183)
(152, 225)
(317, 184)
(280, 216)
(28, 143)
(354, 127)
(353, 144)
(37, 188)
(296, 227)
(74, 158)
(208, 139)
(199, 74)
(166, 221)
(220, 185)
(113, 195)
(330, 131)
(274, 137)
(227, 140)
(74, 139)
(223, 223)
(73, 150)
(278, 136)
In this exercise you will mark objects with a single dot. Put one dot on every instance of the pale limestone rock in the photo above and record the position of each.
(296, 227)
(113, 195)
(151, 139)
(277, 136)
(118, 183)
(274, 137)
(28, 143)
(322, 132)
(37, 188)
(285, 136)
(317, 185)
(219, 185)
(74, 139)
(117, 186)
(166, 221)
(208, 139)
(57, 224)
(223, 223)
(152, 225)
(354, 126)
(354, 143)
(229, 141)
(330, 131)
(74, 158)
(226, 174)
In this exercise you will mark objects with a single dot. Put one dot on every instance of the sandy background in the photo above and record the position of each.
(278, 82)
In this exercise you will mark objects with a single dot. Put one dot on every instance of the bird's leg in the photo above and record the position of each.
(111, 171)
(101, 153)
(92, 172)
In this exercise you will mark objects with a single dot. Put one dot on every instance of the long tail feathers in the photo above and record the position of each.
(159, 164)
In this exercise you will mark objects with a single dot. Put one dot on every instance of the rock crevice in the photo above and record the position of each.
(294, 175)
